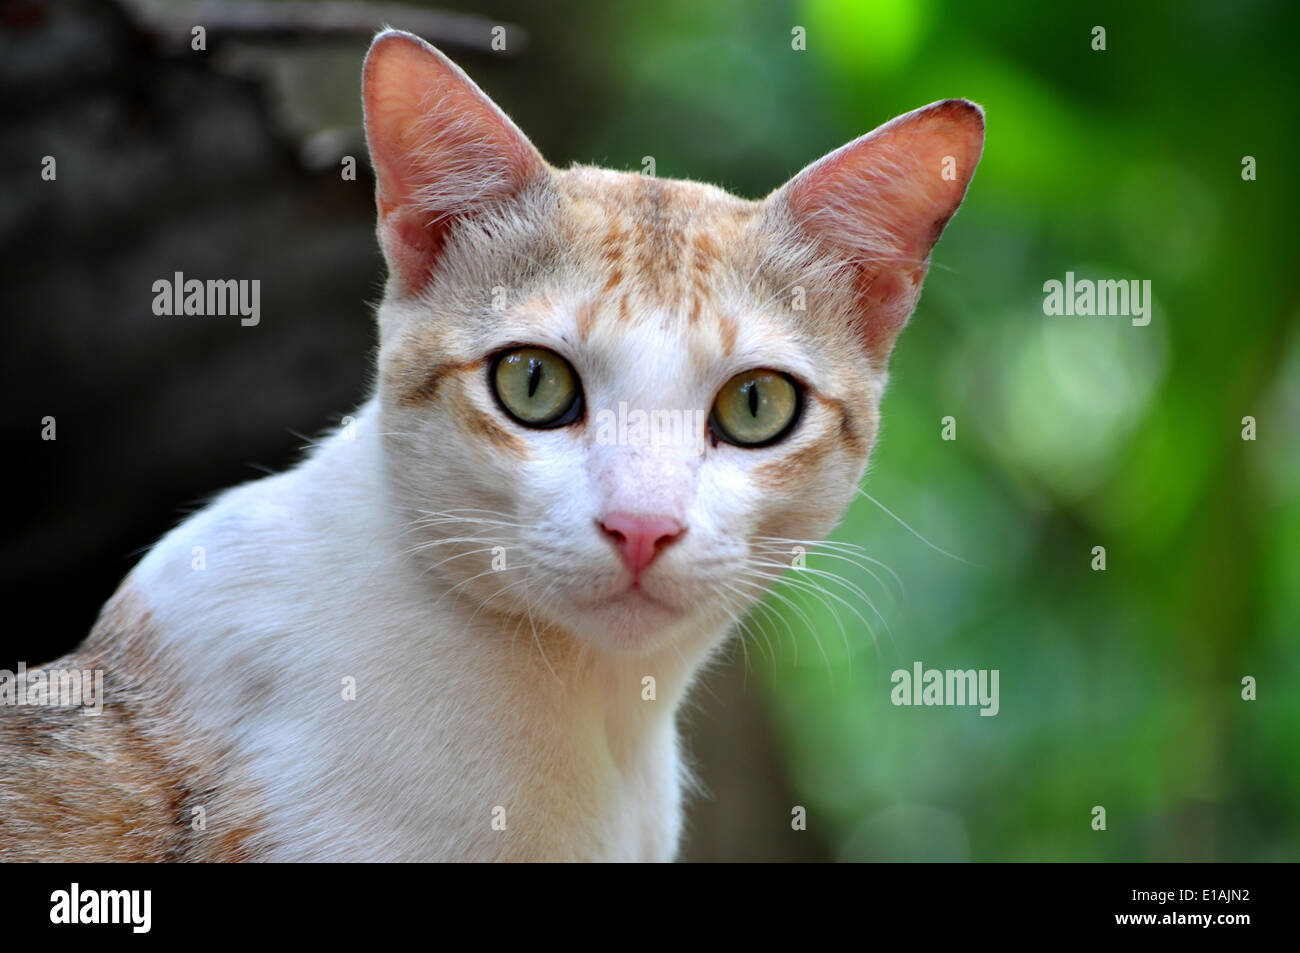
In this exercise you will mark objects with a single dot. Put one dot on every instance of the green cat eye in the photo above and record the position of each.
(755, 408)
(536, 387)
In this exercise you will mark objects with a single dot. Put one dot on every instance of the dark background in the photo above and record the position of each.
(1119, 688)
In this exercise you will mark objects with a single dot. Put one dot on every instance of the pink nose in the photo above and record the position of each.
(640, 538)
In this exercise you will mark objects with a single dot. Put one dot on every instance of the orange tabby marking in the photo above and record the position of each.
(118, 786)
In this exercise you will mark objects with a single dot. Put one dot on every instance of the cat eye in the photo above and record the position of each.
(755, 408)
(536, 387)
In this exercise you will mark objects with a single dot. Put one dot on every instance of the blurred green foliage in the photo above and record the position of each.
(1119, 688)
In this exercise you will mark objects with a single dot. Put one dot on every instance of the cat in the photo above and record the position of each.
(461, 629)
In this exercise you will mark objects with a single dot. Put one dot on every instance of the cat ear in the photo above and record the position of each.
(881, 202)
(441, 150)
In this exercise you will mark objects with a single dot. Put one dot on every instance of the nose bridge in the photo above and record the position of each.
(648, 437)
(645, 479)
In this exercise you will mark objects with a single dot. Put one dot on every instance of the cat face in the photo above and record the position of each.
(614, 405)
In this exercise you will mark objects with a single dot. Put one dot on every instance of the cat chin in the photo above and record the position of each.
(630, 622)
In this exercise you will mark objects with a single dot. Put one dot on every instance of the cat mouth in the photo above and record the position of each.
(634, 593)
(633, 598)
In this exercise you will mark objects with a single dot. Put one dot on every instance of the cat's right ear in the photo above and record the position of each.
(441, 150)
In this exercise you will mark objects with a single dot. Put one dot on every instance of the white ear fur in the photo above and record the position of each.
(441, 149)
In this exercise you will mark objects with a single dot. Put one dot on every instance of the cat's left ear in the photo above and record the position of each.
(881, 202)
(442, 150)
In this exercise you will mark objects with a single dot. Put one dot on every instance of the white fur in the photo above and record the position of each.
(305, 584)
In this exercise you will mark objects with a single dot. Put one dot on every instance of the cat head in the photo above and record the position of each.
(615, 403)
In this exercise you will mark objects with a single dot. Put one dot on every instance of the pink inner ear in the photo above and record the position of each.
(441, 150)
(883, 200)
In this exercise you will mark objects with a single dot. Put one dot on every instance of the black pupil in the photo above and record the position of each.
(751, 389)
(534, 375)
